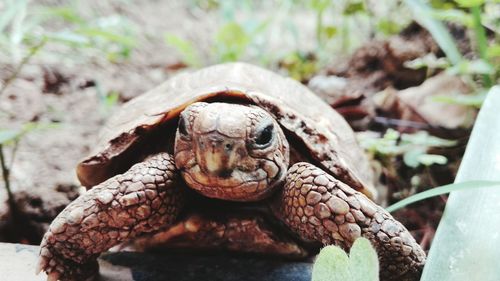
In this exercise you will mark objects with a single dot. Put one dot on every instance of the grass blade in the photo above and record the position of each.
(444, 189)
(423, 15)
(481, 40)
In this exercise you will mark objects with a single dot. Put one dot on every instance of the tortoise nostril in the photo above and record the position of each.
(225, 173)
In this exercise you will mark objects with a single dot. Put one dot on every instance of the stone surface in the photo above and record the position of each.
(17, 262)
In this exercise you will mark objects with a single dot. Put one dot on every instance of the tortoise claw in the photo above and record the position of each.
(53, 276)
(42, 263)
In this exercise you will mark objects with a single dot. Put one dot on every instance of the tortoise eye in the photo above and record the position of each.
(182, 126)
(265, 135)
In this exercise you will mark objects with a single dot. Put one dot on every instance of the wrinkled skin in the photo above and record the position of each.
(230, 152)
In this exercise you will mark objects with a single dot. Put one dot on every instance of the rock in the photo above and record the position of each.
(419, 104)
(36, 209)
(18, 262)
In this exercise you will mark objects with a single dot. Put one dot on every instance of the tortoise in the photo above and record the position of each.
(231, 157)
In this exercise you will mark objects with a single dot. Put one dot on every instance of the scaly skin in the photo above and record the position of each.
(230, 152)
(144, 199)
(319, 207)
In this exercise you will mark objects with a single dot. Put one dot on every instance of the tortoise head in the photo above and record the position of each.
(230, 151)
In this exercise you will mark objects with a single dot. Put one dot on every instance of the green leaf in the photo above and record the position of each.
(415, 157)
(232, 41)
(423, 14)
(475, 100)
(391, 134)
(481, 41)
(66, 13)
(12, 8)
(69, 38)
(320, 5)
(413, 147)
(109, 36)
(7, 135)
(363, 261)
(354, 8)
(388, 26)
(440, 190)
(423, 138)
(427, 61)
(254, 27)
(185, 48)
(471, 67)
(299, 66)
(431, 159)
(111, 99)
(412, 157)
(465, 246)
(453, 15)
(332, 264)
(329, 31)
(493, 51)
(469, 3)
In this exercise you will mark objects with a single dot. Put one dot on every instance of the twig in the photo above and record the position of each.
(5, 175)
(14, 151)
(400, 123)
(20, 66)
(481, 40)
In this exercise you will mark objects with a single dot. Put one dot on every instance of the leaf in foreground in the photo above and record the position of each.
(363, 261)
(332, 264)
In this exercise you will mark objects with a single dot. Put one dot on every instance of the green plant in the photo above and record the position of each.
(11, 138)
(300, 66)
(322, 32)
(465, 246)
(485, 65)
(440, 190)
(424, 15)
(333, 264)
(339, 26)
(412, 147)
(231, 43)
(33, 51)
(107, 100)
(474, 7)
(112, 35)
(24, 26)
(466, 225)
(185, 48)
(23, 35)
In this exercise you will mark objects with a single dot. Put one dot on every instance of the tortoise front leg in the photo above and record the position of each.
(321, 208)
(144, 199)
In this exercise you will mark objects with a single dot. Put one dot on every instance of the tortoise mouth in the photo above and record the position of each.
(233, 188)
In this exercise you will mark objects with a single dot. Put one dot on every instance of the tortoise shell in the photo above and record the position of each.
(147, 123)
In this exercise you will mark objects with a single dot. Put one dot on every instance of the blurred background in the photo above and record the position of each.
(409, 76)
